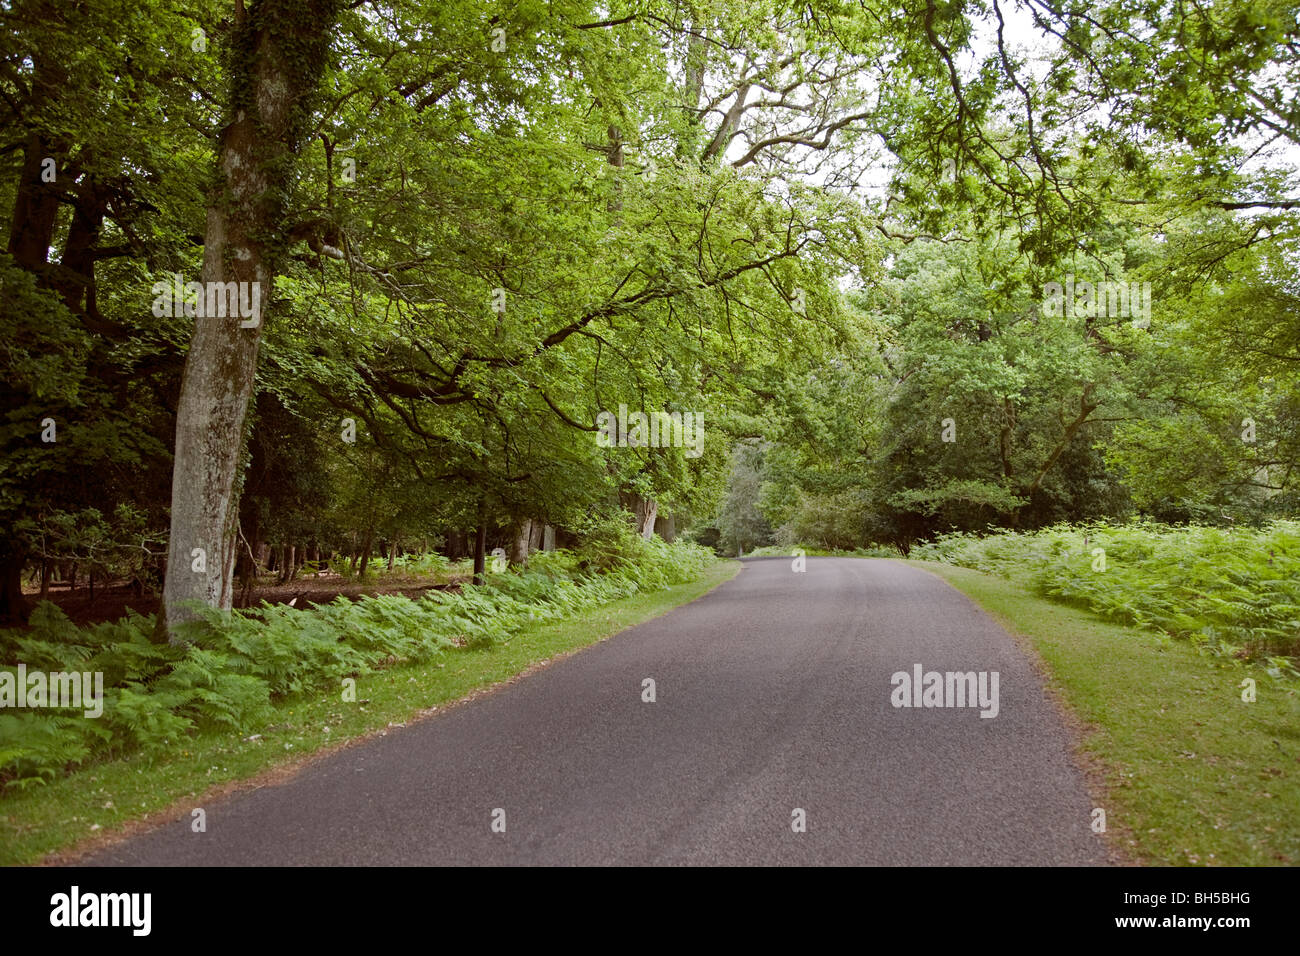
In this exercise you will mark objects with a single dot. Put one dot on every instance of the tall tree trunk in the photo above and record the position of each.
(247, 568)
(31, 233)
(280, 49)
(644, 510)
(519, 542)
(78, 282)
(480, 545)
(480, 554)
(616, 158)
(455, 547)
(36, 203)
(13, 606)
(366, 547)
(288, 569)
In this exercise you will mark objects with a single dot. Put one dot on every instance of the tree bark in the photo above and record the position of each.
(36, 203)
(365, 550)
(288, 569)
(646, 511)
(281, 48)
(78, 281)
(456, 546)
(247, 567)
(1086, 407)
(31, 233)
(13, 606)
(519, 542)
(480, 551)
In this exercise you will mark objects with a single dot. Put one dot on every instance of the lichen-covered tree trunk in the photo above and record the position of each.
(643, 509)
(520, 541)
(279, 49)
(646, 511)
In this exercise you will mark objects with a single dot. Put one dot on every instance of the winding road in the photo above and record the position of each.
(772, 696)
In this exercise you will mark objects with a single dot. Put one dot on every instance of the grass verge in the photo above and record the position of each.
(1192, 774)
(107, 800)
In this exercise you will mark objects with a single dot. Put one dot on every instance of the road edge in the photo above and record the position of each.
(282, 773)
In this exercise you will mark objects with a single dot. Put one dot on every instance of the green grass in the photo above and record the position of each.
(1189, 773)
(106, 796)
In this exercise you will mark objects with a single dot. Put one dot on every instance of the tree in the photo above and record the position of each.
(278, 52)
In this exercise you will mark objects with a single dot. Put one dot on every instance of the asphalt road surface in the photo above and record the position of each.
(772, 696)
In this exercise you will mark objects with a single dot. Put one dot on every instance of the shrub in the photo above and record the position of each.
(1234, 591)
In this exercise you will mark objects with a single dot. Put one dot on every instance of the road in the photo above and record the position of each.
(772, 696)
